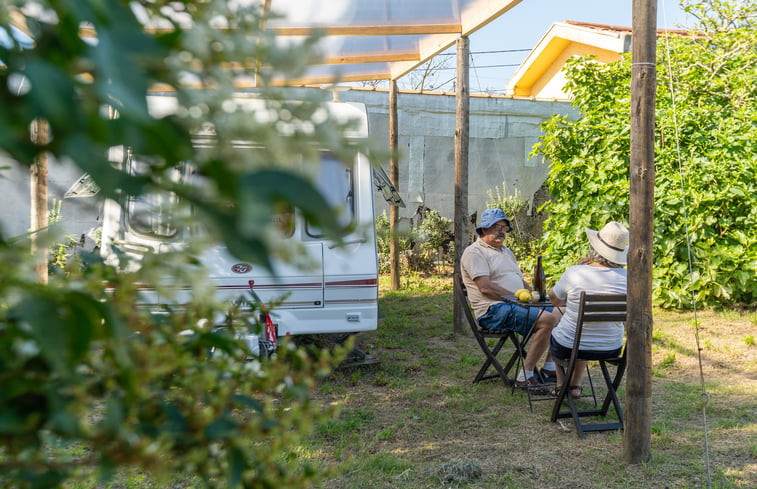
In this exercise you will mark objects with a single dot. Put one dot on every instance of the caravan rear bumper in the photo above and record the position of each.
(348, 317)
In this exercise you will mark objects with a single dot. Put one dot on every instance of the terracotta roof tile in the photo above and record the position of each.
(625, 29)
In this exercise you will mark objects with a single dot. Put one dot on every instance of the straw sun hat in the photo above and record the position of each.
(611, 242)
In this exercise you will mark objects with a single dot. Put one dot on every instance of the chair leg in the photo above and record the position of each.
(612, 395)
(491, 360)
(574, 413)
(621, 368)
(565, 395)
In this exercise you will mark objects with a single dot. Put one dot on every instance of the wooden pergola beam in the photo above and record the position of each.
(372, 30)
(350, 30)
(247, 84)
(340, 60)
(478, 14)
(371, 58)
(334, 79)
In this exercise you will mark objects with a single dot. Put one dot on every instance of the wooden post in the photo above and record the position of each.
(38, 200)
(266, 11)
(462, 119)
(638, 416)
(394, 248)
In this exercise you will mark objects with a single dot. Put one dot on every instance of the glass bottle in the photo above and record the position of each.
(539, 285)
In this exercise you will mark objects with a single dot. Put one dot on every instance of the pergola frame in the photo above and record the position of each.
(432, 35)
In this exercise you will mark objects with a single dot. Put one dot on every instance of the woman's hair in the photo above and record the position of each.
(596, 257)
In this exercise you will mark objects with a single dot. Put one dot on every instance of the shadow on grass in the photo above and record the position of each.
(417, 409)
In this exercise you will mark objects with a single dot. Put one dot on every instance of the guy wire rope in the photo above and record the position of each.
(704, 397)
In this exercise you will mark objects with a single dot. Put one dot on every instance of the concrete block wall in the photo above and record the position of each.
(502, 133)
(80, 215)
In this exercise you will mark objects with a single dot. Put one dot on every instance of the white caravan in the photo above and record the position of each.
(337, 293)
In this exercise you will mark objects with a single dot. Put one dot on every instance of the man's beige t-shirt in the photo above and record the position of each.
(480, 259)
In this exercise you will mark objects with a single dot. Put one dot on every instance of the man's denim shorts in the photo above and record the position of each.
(506, 316)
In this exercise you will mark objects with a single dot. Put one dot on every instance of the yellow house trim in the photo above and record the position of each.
(540, 65)
(539, 76)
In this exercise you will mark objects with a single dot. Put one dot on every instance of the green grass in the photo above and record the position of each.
(415, 420)
(429, 415)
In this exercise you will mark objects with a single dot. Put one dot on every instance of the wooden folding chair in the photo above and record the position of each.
(490, 353)
(593, 308)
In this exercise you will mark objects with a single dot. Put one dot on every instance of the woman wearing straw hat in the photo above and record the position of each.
(601, 272)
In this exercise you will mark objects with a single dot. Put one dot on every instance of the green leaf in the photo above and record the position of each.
(258, 190)
(237, 465)
(41, 312)
(220, 429)
(114, 415)
(247, 401)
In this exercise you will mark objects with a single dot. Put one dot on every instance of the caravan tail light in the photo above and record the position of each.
(271, 333)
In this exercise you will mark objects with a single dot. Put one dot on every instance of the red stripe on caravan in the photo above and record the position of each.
(285, 286)
(242, 286)
(352, 283)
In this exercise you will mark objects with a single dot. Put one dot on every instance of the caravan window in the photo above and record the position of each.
(334, 181)
(154, 213)
(158, 213)
(283, 219)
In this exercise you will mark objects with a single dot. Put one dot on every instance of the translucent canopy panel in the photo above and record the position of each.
(361, 39)
(380, 39)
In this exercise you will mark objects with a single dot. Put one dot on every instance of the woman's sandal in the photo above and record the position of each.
(573, 388)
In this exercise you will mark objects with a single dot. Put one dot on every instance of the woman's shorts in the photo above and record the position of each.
(561, 352)
(504, 316)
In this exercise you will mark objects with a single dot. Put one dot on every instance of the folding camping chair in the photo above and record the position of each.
(593, 308)
(490, 353)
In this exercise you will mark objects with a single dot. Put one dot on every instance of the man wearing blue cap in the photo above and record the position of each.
(490, 271)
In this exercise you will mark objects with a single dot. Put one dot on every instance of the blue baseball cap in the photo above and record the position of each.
(490, 217)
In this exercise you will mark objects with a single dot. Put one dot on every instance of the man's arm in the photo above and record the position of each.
(490, 289)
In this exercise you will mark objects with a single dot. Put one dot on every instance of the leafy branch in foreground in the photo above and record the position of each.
(89, 379)
(136, 390)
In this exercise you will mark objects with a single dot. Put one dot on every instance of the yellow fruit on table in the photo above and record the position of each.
(524, 296)
(535, 296)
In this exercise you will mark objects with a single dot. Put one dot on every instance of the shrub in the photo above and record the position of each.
(383, 240)
(705, 248)
(425, 248)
